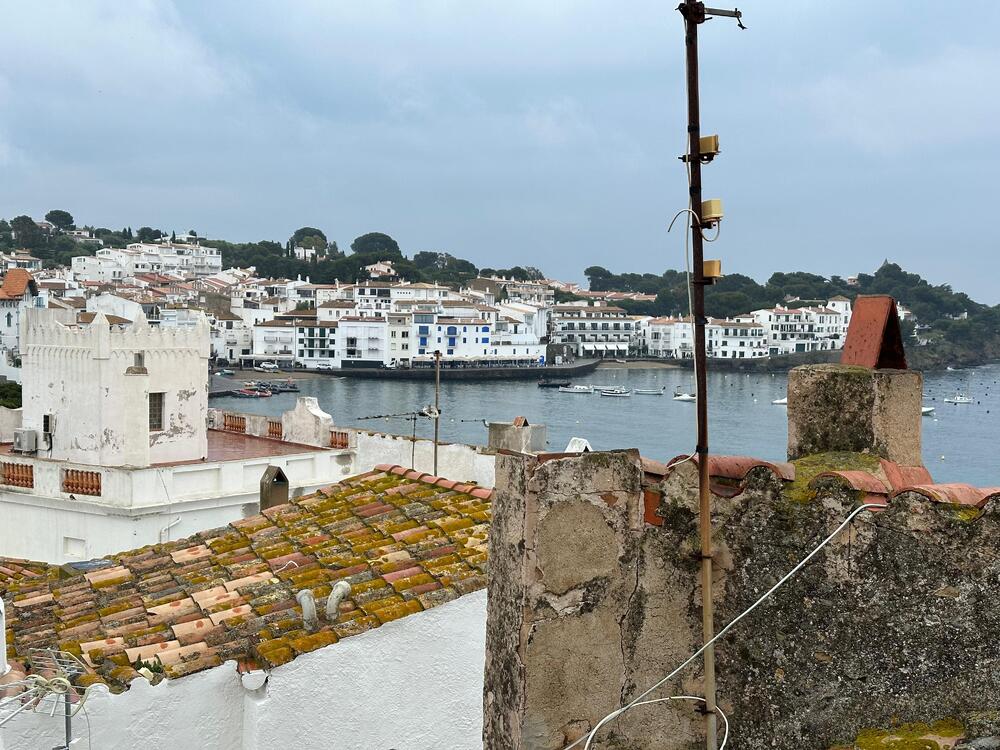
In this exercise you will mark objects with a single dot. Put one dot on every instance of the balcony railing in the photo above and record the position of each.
(17, 475)
(79, 482)
(234, 423)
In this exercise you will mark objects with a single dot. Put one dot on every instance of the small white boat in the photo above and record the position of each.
(680, 395)
(616, 392)
(576, 389)
(650, 391)
(781, 401)
(958, 398)
(926, 410)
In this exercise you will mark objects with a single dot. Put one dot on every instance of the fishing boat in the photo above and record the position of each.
(252, 393)
(576, 389)
(781, 401)
(553, 383)
(283, 386)
(958, 398)
(226, 373)
(680, 395)
(926, 411)
(650, 391)
(616, 392)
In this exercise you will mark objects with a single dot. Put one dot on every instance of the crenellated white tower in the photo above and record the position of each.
(115, 395)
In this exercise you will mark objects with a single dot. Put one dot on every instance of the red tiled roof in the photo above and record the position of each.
(15, 283)
(736, 469)
(879, 485)
(403, 540)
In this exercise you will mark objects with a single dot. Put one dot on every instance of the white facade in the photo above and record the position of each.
(115, 395)
(805, 329)
(232, 338)
(112, 264)
(672, 338)
(112, 304)
(18, 294)
(275, 341)
(735, 339)
(415, 684)
(592, 330)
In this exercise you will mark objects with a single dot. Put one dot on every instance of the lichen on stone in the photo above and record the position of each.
(809, 467)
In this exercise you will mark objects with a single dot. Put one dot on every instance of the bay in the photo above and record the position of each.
(960, 442)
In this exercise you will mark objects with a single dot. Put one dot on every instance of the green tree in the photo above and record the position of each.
(61, 219)
(26, 233)
(377, 244)
(10, 394)
(302, 233)
(148, 234)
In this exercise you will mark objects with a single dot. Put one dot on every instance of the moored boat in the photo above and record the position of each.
(616, 392)
(576, 389)
(780, 401)
(650, 391)
(680, 395)
(958, 398)
(553, 383)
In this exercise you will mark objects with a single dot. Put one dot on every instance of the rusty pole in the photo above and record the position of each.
(694, 14)
(437, 405)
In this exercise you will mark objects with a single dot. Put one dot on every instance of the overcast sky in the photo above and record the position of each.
(517, 132)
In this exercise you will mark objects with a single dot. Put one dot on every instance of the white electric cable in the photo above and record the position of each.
(805, 560)
(687, 265)
(725, 719)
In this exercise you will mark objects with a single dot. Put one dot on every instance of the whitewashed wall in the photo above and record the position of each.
(10, 420)
(412, 684)
(456, 461)
(143, 506)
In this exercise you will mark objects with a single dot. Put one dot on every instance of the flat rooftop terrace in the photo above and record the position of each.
(224, 446)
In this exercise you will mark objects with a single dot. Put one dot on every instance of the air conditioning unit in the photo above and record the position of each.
(25, 440)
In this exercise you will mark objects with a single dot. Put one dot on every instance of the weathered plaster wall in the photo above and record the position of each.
(585, 606)
(412, 684)
(85, 378)
(896, 622)
(849, 408)
(307, 423)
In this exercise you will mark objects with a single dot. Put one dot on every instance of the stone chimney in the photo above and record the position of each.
(517, 436)
(869, 403)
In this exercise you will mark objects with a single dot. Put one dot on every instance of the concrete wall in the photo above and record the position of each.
(412, 684)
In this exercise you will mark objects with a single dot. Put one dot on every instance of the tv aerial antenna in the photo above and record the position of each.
(48, 689)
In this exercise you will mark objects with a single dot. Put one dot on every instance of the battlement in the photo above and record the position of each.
(42, 332)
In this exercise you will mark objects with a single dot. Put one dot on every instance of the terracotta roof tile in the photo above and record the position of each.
(404, 543)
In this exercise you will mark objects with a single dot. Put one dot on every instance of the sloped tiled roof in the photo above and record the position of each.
(15, 283)
(404, 541)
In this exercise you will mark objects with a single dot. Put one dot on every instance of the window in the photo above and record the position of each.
(155, 411)
(47, 423)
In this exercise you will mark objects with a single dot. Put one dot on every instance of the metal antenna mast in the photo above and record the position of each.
(695, 13)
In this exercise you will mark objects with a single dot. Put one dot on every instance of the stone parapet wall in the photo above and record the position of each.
(890, 631)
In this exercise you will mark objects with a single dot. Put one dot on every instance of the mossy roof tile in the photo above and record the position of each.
(405, 541)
